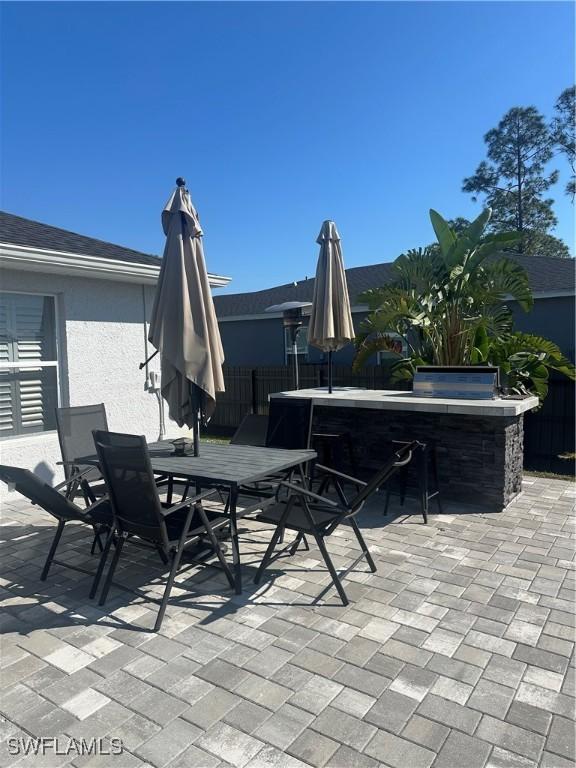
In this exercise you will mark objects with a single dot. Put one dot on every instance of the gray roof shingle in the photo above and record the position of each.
(546, 274)
(33, 234)
(359, 279)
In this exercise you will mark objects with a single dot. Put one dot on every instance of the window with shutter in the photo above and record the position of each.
(28, 364)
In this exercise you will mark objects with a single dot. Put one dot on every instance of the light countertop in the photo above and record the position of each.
(390, 400)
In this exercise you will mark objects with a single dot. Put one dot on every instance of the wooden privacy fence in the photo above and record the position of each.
(548, 434)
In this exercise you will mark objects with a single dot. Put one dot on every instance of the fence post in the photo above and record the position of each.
(253, 390)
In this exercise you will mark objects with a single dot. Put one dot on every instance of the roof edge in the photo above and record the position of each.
(357, 308)
(277, 315)
(35, 259)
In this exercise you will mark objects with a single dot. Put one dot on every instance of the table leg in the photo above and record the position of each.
(234, 539)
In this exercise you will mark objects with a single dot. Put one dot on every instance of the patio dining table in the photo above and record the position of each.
(225, 466)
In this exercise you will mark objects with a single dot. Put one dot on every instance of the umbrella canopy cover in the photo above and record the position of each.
(330, 327)
(183, 326)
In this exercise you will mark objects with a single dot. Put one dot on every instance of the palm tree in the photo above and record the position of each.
(447, 303)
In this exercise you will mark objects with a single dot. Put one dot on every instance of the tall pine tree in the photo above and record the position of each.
(514, 181)
(563, 130)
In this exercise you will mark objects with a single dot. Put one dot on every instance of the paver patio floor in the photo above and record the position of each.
(457, 653)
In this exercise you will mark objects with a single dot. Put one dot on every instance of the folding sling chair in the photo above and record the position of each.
(140, 515)
(318, 516)
(287, 426)
(252, 431)
(75, 425)
(60, 506)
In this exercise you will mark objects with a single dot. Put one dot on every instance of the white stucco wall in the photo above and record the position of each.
(101, 343)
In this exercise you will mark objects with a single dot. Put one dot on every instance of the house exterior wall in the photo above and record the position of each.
(551, 318)
(255, 342)
(261, 343)
(100, 344)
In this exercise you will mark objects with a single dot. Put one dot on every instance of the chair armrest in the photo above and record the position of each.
(92, 507)
(414, 443)
(305, 492)
(258, 506)
(403, 462)
(189, 502)
(331, 471)
(77, 464)
(74, 478)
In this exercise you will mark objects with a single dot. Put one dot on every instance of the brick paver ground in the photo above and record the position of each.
(455, 654)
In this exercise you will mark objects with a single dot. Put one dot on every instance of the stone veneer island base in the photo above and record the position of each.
(479, 443)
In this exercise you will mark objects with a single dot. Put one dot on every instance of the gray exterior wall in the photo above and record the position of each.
(261, 342)
(551, 318)
(253, 342)
(100, 339)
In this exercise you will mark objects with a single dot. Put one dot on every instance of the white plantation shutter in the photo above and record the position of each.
(32, 400)
(34, 328)
(6, 405)
(28, 365)
(6, 386)
(4, 340)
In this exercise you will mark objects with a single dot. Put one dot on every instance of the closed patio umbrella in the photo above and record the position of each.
(183, 326)
(330, 327)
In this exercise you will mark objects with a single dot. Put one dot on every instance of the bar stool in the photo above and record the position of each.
(425, 456)
(334, 450)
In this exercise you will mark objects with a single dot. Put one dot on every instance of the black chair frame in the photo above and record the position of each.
(167, 528)
(319, 516)
(74, 444)
(59, 505)
(287, 426)
(251, 431)
(424, 455)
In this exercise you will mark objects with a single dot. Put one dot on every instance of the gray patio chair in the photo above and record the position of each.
(75, 425)
(98, 516)
(318, 516)
(140, 516)
(252, 430)
(287, 425)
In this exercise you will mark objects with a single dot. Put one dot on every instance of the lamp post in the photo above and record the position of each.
(292, 318)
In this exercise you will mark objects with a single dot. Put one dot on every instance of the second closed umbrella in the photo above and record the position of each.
(330, 327)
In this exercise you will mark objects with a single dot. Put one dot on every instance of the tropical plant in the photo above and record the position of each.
(525, 362)
(448, 305)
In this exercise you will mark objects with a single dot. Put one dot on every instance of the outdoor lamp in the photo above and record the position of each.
(292, 318)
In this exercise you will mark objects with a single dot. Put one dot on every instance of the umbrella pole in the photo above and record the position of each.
(330, 372)
(196, 431)
(162, 435)
(295, 358)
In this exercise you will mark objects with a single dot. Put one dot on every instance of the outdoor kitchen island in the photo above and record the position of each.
(479, 443)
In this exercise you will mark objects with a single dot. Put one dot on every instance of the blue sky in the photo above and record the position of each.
(279, 115)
